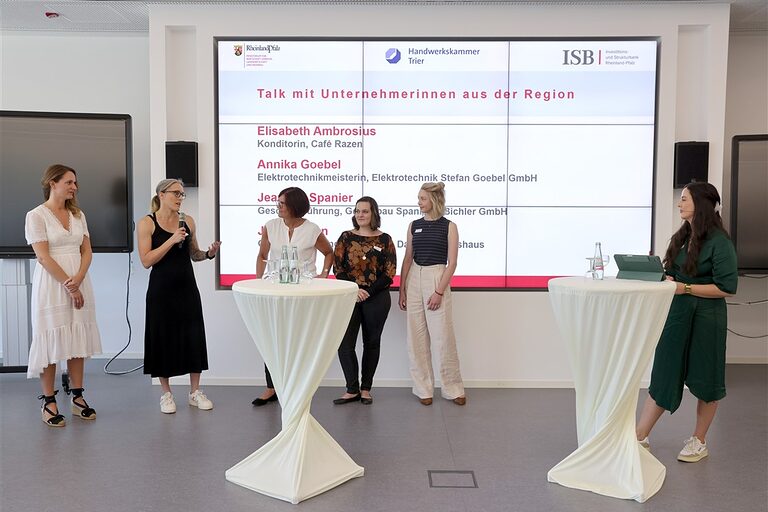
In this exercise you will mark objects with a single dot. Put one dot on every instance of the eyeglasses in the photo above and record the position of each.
(280, 203)
(178, 193)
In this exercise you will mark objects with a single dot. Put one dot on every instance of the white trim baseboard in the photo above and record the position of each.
(125, 355)
(383, 383)
(747, 360)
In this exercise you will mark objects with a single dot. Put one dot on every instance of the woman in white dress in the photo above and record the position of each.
(63, 311)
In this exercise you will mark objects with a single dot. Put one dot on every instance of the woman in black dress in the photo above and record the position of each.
(174, 335)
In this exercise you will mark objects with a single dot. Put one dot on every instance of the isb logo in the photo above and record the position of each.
(392, 55)
(578, 57)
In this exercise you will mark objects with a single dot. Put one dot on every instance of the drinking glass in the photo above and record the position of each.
(591, 271)
(308, 270)
(596, 267)
(272, 270)
(600, 264)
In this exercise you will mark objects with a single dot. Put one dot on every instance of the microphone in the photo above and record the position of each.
(182, 218)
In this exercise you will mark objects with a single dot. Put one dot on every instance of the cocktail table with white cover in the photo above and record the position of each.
(611, 328)
(297, 329)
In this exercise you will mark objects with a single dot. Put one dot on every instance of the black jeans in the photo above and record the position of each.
(371, 314)
(270, 385)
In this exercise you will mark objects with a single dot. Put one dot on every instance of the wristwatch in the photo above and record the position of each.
(687, 289)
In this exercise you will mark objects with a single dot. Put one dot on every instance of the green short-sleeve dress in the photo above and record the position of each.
(691, 350)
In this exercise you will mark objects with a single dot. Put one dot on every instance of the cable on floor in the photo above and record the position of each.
(130, 330)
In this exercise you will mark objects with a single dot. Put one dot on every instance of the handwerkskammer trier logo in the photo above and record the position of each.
(392, 55)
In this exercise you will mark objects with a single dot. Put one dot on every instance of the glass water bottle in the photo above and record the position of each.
(599, 266)
(293, 265)
(285, 269)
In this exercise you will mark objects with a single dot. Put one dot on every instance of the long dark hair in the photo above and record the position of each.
(706, 219)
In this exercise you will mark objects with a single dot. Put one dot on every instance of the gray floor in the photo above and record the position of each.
(133, 458)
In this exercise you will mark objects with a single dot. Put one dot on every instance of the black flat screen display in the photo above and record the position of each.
(97, 146)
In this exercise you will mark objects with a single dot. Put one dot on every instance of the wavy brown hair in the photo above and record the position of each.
(375, 215)
(706, 220)
(55, 173)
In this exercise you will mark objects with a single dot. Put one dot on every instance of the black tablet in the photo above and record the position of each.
(639, 266)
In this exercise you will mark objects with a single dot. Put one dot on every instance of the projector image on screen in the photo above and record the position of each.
(545, 146)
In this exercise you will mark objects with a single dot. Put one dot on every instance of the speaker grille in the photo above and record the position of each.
(181, 161)
(691, 162)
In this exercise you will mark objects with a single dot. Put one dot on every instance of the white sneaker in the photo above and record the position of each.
(167, 405)
(645, 443)
(693, 451)
(199, 400)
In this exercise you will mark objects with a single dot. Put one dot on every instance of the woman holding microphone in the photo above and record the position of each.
(174, 335)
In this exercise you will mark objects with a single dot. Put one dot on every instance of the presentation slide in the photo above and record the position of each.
(545, 146)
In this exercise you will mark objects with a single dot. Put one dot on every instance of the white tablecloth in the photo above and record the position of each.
(297, 329)
(611, 328)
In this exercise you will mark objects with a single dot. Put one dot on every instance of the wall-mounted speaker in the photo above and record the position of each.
(691, 162)
(181, 161)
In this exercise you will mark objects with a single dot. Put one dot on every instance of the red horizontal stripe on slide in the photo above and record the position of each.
(500, 281)
(528, 281)
(230, 279)
(456, 282)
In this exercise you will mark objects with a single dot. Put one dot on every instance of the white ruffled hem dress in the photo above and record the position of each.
(59, 331)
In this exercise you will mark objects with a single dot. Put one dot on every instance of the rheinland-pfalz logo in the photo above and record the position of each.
(578, 57)
(238, 50)
(392, 55)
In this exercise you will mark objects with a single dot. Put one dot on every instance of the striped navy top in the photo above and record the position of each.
(430, 241)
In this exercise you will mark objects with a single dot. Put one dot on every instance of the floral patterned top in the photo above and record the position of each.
(369, 261)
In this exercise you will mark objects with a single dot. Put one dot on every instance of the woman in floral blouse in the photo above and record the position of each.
(367, 257)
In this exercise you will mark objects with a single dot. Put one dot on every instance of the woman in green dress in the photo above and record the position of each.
(701, 260)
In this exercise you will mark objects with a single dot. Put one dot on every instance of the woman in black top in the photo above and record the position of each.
(174, 336)
(425, 292)
(367, 257)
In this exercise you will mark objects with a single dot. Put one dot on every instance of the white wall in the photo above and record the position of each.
(746, 114)
(165, 82)
(91, 73)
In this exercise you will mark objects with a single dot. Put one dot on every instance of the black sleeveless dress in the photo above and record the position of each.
(174, 333)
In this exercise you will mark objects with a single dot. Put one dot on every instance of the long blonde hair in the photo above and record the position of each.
(436, 193)
(164, 185)
(54, 173)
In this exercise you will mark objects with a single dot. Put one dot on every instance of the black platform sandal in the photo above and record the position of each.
(55, 420)
(83, 411)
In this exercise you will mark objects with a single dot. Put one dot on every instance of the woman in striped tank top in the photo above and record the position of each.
(425, 293)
